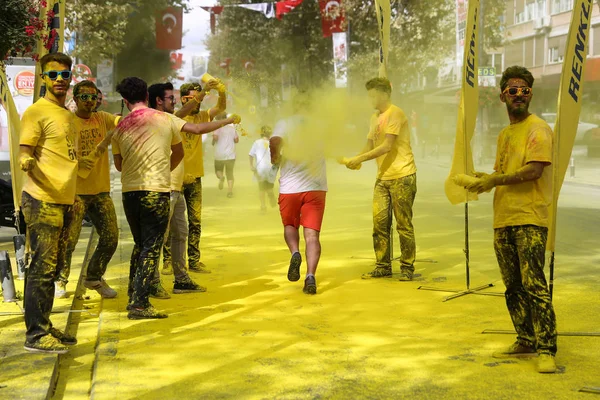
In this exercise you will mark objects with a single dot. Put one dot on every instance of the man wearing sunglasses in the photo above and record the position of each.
(48, 156)
(93, 132)
(192, 95)
(522, 199)
(161, 98)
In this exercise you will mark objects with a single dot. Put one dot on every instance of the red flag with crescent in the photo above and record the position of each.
(169, 28)
(333, 17)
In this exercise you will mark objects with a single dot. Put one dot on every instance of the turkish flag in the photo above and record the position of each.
(176, 60)
(284, 7)
(333, 17)
(169, 28)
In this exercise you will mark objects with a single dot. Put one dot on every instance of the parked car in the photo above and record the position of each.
(583, 128)
(7, 207)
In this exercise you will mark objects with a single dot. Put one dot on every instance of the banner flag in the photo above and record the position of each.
(54, 17)
(169, 28)
(570, 96)
(14, 129)
(462, 161)
(384, 20)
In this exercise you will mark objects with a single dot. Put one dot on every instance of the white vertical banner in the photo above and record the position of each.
(104, 76)
(340, 59)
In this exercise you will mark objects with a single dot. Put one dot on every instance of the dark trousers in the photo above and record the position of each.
(193, 199)
(101, 211)
(148, 217)
(48, 227)
(521, 255)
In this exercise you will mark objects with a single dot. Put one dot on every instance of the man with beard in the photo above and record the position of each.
(192, 95)
(522, 199)
(93, 133)
(161, 98)
(47, 154)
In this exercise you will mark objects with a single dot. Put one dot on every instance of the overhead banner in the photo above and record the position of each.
(462, 161)
(340, 59)
(384, 20)
(13, 126)
(570, 96)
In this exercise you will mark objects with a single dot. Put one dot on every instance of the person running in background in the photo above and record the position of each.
(302, 193)
(48, 156)
(146, 148)
(224, 141)
(192, 95)
(93, 191)
(264, 172)
(161, 98)
(522, 200)
(388, 142)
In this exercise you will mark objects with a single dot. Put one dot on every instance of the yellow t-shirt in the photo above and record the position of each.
(526, 203)
(400, 161)
(192, 147)
(144, 139)
(90, 132)
(49, 129)
(178, 173)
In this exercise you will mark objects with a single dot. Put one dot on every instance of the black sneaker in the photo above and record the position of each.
(310, 285)
(188, 286)
(294, 270)
(63, 337)
(159, 292)
(145, 313)
(47, 344)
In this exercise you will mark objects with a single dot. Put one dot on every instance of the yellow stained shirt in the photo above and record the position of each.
(90, 132)
(48, 128)
(192, 147)
(177, 175)
(400, 161)
(144, 139)
(526, 203)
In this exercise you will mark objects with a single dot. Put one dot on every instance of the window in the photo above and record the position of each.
(559, 6)
(553, 55)
(533, 9)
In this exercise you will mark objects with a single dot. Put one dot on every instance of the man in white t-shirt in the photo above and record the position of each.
(264, 172)
(224, 141)
(302, 193)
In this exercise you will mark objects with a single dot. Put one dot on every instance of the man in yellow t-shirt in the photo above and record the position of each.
(522, 200)
(93, 130)
(47, 155)
(388, 142)
(194, 163)
(146, 147)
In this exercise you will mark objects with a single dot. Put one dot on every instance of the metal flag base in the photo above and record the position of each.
(511, 332)
(460, 293)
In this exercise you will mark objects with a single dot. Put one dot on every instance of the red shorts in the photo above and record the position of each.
(304, 209)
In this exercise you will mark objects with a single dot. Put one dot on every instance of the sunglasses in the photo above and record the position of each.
(172, 98)
(53, 75)
(86, 97)
(520, 91)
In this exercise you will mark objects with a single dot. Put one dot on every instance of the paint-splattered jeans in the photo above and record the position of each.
(148, 216)
(395, 197)
(176, 237)
(47, 229)
(193, 199)
(520, 251)
(101, 210)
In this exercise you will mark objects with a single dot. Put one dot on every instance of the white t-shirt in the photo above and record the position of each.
(225, 145)
(301, 171)
(262, 154)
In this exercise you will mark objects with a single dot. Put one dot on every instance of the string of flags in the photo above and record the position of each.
(333, 18)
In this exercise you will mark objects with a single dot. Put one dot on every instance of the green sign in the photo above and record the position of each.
(487, 71)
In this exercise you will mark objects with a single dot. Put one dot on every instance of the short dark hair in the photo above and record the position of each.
(379, 84)
(158, 90)
(266, 131)
(133, 89)
(516, 72)
(84, 84)
(186, 88)
(60, 58)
